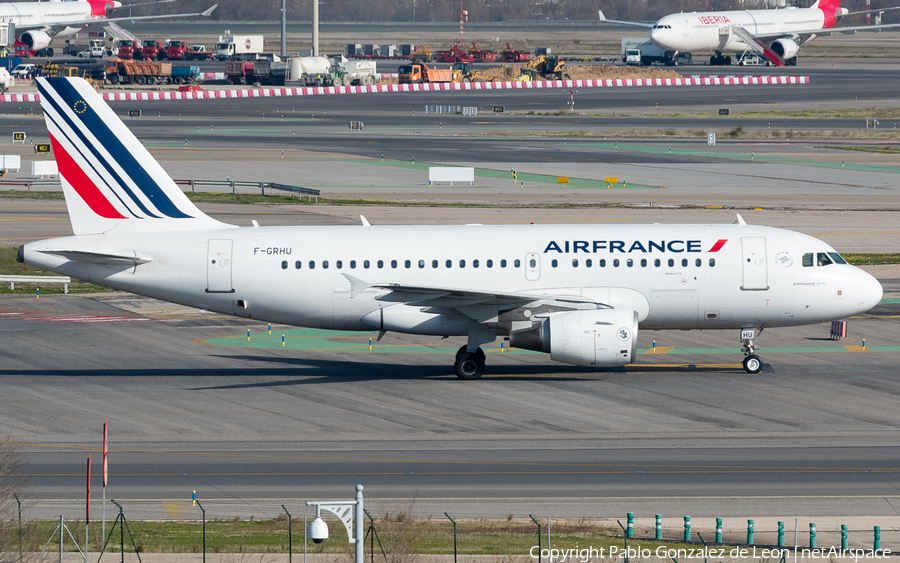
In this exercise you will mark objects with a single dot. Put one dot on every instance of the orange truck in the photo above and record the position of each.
(421, 73)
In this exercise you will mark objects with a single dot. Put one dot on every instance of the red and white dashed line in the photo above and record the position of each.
(88, 319)
(443, 87)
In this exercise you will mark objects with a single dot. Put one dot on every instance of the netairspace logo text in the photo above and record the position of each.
(585, 554)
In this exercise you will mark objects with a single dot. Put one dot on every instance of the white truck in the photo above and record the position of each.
(239, 47)
(345, 72)
(640, 51)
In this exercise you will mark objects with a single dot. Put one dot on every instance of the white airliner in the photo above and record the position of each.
(775, 34)
(37, 23)
(577, 292)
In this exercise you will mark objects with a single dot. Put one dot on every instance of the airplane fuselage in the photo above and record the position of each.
(707, 31)
(673, 276)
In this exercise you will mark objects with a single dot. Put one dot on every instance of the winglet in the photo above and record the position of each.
(602, 17)
(208, 12)
(357, 286)
(741, 220)
(365, 222)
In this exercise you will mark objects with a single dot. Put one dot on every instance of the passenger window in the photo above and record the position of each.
(616, 263)
(380, 264)
(517, 263)
(474, 263)
(312, 264)
(712, 262)
(353, 264)
(684, 262)
(434, 263)
(671, 263)
(629, 262)
(421, 263)
(407, 264)
(462, 263)
(808, 260)
(823, 260)
(643, 262)
(574, 262)
(698, 262)
(602, 262)
(324, 264)
(838, 259)
(284, 265)
(490, 263)
(554, 262)
(366, 264)
(588, 263)
(339, 264)
(297, 264)
(393, 264)
(449, 263)
(656, 262)
(532, 263)
(502, 263)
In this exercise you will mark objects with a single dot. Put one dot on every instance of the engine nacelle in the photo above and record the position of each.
(785, 48)
(598, 338)
(36, 40)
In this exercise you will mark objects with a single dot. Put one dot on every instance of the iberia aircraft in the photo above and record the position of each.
(577, 292)
(37, 23)
(776, 34)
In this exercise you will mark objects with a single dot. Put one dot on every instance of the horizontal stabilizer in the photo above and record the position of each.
(99, 258)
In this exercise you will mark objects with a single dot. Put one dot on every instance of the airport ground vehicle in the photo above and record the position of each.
(92, 53)
(482, 55)
(127, 49)
(544, 67)
(344, 72)
(511, 55)
(23, 71)
(422, 73)
(153, 50)
(175, 50)
(579, 292)
(121, 71)
(198, 53)
(239, 47)
(639, 51)
(421, 54)
(456, 54)
(5, 80)
(463, 72)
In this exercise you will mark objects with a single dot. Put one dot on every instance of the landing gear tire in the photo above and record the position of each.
(727, 61)
(753, 364)
(469, 365)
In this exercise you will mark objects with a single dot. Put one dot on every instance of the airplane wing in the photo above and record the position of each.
(847, 15)
(619, 22)
(805, 34)
(97, 21)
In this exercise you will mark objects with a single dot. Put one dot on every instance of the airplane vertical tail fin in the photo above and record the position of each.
(831, 9)
(109, 179)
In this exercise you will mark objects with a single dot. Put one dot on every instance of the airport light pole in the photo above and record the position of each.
(350, 512)
(283, 29)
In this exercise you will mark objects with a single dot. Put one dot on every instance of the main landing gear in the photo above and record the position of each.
(752, 362)
(719, 59)
(469, 365)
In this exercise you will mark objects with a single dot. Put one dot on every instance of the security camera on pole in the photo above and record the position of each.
(343, 509)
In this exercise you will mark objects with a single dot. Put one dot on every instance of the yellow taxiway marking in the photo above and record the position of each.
(660, 350)
(857, 348)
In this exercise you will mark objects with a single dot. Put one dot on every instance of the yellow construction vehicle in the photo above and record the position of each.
(548, 67)
(462, 72)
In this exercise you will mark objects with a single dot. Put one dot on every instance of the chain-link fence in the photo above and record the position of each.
(236, 532)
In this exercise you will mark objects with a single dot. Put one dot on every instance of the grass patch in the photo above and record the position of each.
(872, 259)
(866, 148)
(28, 194)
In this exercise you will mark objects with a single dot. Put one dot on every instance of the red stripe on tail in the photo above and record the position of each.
(82, 184)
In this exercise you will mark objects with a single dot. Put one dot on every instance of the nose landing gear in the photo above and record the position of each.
(752, 362)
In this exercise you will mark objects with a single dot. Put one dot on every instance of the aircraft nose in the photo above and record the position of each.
(868, 291)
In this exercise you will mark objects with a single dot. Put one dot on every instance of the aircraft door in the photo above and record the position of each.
(753, 258)
(532, 266)
(218, 267)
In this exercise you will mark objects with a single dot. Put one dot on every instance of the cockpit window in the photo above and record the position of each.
(838, 259)
(822, 259)
(808, 260)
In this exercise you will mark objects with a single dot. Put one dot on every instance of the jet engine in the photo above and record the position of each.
(598, 338)
(36, 39)
(785, 48)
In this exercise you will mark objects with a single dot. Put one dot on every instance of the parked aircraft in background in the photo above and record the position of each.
(775, 34)
(577, 292)
(38, 23)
